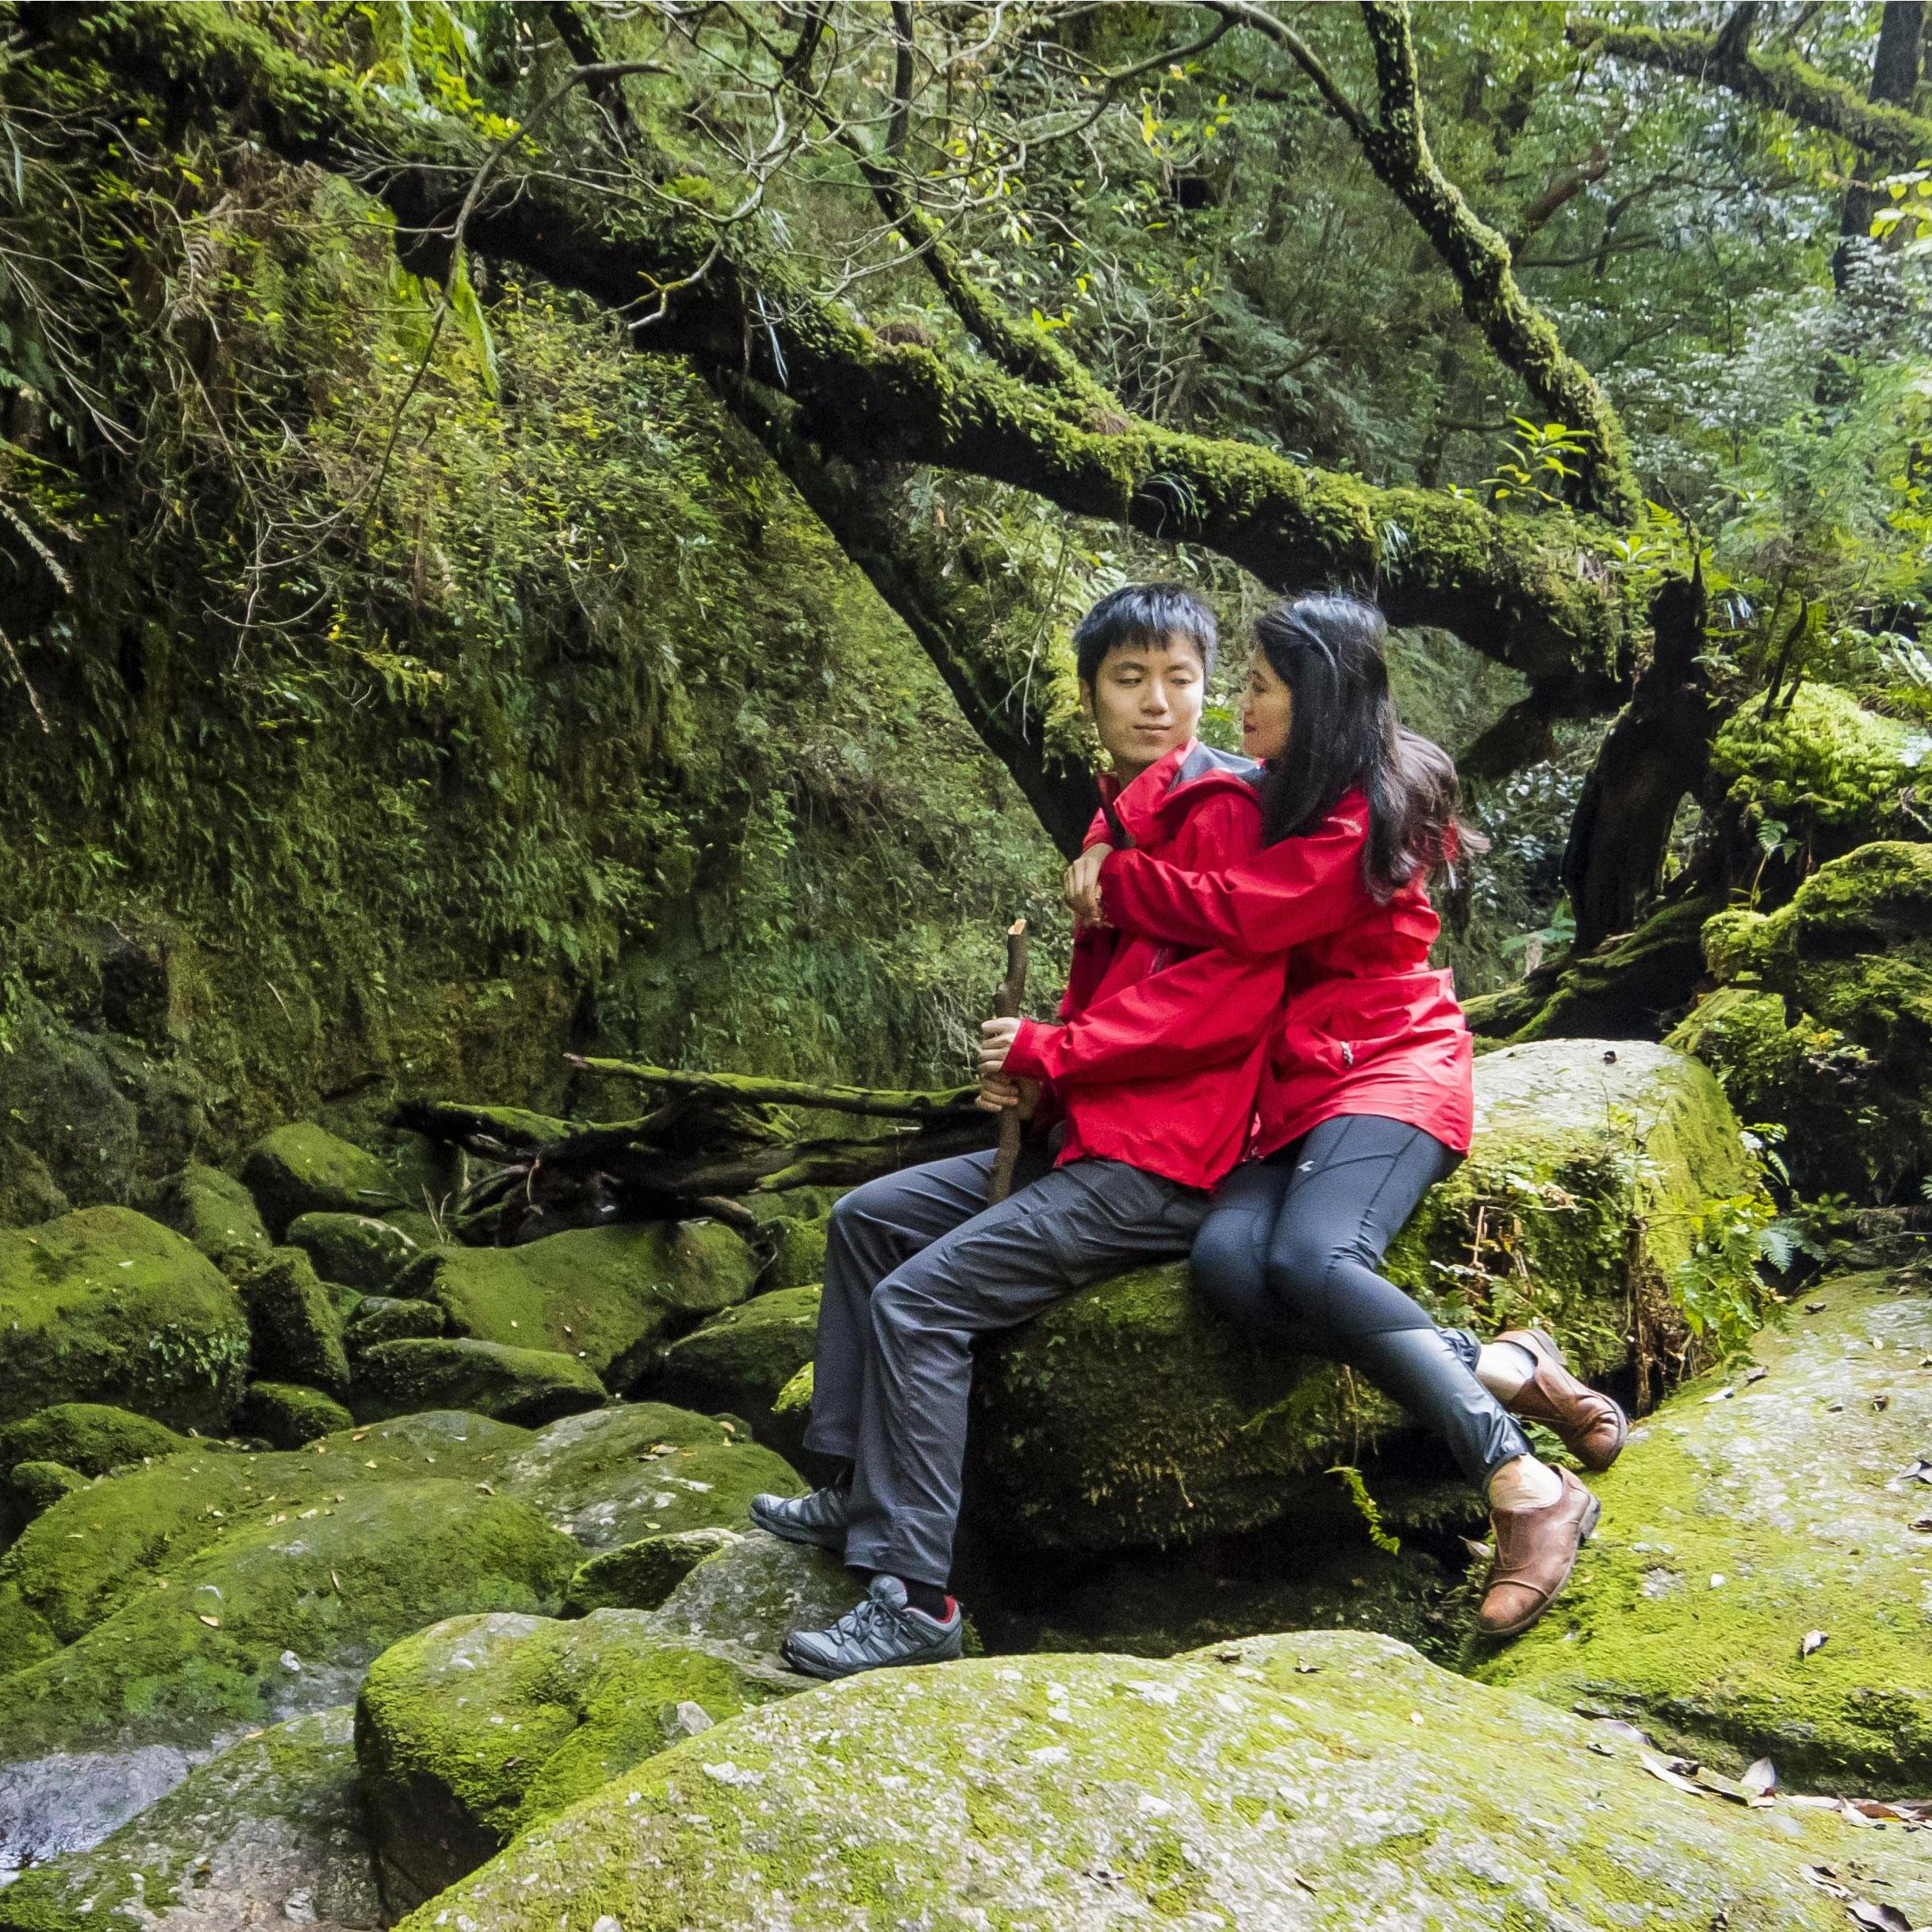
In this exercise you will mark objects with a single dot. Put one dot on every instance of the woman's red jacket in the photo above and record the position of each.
(1369, 1027)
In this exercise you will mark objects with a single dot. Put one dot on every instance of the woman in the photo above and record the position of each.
(1366, 1100)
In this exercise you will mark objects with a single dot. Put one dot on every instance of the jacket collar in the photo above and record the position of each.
(1134, 804)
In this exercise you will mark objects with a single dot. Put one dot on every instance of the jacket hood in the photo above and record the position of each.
(1150, 806)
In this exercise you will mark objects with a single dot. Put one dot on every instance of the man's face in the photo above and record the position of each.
(1145, 700)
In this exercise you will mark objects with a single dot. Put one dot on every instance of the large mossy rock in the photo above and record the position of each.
(105, 1305)
(148, 1615)
(359, 1251)
(605, 1295)
(270, 1833)
(91, 1437)
(528, 1385)
(1732, 1527)
(294, 1329)
(304, 1169)
(1129, 1415)
(1822, 1019)
(741, 1360)
(1324, 1779)
(214, 1212)
(475, 1729)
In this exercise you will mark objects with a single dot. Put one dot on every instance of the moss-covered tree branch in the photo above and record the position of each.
(1769, 78)
(1530, 591)
(1395, 146)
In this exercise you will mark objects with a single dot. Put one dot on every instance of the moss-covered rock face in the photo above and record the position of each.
(798, 1257)
(618, 1474)
(473, 1730)
(295, 1331)
(214, 1212)
(304, 1169)
(1821, 1019)
(640, 1575)
(105, 1305)
(1216, 1788)
(357, 1250)
(387, 1318)
(527, 1386)
(741, 1360)
(285, 1415)
(604, 1295)
(270, 1832)
(1732, 1527)
(1130, 1415)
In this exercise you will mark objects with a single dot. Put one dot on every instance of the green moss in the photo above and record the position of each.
(741, 1360)
(295, 1331)
(799, 1258)
(105, 1305)
(527, 1386)
(387, 1318)
(32, 1487)
(286, 1415)
(219, 1216)
(1732, 1526)
(605, 1295)
(356, 1250)
(475, 1729)
(640, 1575)
(90, 1437)
(1340, 1769)
(303, 1169)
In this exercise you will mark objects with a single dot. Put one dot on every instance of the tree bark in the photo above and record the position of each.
(1895, 82)
(1890, 134)
(1530, 591)
(1656, 752)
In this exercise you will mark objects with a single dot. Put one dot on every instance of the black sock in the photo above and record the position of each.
(928, 1597)
(841, 1476)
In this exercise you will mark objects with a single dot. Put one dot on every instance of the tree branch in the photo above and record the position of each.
(1768, 79)
(1532, 591)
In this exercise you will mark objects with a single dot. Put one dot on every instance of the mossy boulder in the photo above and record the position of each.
(214, 1212)
(472, 1731)
(605, 1295)
(269, 1832)
(527, 1386)
(1130, 1415)
(1749, 1510)
(1822, 1019)
(798, 1252)
(390, 1318)
(30, 1487)
(304, 1169)
(1327, 1777)
(295, 1331)
(285, 1415)
(91, 1437)
(741, 1360)
(105, 1305)
(357, 1250)
(615, 1475)
(640, 1575)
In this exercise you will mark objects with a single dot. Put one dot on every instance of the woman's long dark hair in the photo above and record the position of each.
(1344, 734)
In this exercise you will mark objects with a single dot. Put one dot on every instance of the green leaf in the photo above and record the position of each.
(470, 318)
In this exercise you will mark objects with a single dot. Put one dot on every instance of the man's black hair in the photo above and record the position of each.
(1140, 614)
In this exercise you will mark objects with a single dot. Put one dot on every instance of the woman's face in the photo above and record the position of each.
(1267, 706)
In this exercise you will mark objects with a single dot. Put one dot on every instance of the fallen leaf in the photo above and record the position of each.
(1824, 1878)
(1920, 1471)
(1673, 1771)
(486, 1489)
(1723, 1395)
(1812, 1308)
(1881, 1403)
(213, 1622)
(1761, 1778)
(1756, 1374)
(1811, 1640)
(1922, 1523)
(337, 1581)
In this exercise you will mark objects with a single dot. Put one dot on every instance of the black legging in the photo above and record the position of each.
(1289, 1252)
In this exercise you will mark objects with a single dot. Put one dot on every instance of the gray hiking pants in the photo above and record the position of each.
(916, 1265)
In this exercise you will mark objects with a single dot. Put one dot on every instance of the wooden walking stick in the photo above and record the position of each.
(1006, 1004)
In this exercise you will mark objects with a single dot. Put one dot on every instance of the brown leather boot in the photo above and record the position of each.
(1593, 1428)
(1535, 1551)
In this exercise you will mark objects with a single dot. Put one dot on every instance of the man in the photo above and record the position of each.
(1150, 1071)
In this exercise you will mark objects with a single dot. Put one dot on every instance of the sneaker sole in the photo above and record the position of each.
(1586, 1529)
(822, 1539)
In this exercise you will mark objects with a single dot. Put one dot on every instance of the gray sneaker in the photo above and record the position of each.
(821, 1517)
(881, 1630)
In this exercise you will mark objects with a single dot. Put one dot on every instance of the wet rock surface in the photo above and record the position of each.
(1769, 1500)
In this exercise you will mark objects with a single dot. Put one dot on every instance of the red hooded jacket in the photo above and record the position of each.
(1160, 1048)
(1368, 1028)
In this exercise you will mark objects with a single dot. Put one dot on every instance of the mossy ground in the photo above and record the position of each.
(1223, 1788)
(105, 1305)
(1733, 1526)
